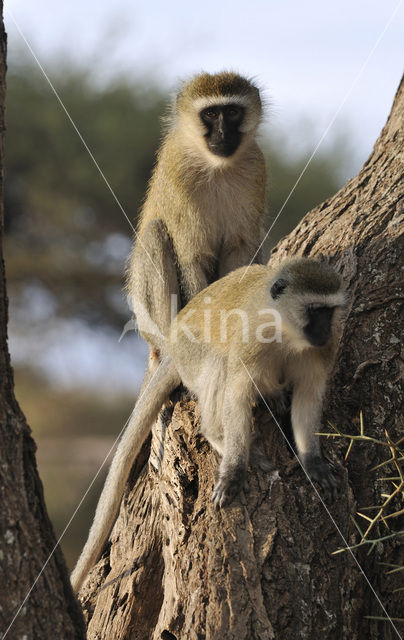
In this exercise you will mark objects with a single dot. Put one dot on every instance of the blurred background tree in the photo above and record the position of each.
(67, 243)
(67, 238)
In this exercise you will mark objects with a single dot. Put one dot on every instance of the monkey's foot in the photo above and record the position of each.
(230, 483)
(320, 471)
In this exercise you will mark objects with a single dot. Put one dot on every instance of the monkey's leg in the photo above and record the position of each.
(237, 417)
(193, 279)
(153, 285)
(306, 415)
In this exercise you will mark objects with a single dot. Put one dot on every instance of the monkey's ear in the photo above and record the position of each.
(278, 287)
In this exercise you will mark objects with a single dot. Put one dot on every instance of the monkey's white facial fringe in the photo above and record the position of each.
(252, 115)
(191, 129)
(209, 101)
(317, 299)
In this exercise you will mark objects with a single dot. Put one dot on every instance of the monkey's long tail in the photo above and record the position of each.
(164, 381)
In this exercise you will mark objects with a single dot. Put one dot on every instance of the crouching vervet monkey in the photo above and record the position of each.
(253, 332)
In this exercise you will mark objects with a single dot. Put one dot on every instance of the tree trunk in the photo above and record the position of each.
(26, 535)
(263, 568)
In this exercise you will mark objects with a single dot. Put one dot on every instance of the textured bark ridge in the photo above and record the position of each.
(26, 535)
(177, 569)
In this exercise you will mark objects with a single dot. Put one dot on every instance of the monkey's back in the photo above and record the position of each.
(204, 315)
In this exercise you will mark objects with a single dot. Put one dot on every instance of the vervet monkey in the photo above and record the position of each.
(203, 213)
(224, 349)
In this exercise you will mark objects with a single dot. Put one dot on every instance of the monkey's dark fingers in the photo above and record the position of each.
(329, 485)
(228, 486)
(321, 472)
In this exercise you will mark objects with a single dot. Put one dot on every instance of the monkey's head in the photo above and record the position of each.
(219, 113)
(309, 297)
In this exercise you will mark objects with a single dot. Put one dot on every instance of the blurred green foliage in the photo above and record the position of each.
(67, 242)
(65, 232)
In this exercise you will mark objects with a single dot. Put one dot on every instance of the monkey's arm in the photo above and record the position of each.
(236, 422)
(152, 283)
(146, 410)
(307, 403)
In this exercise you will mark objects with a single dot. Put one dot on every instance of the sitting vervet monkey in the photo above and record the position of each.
(283, 333)
(203, 213)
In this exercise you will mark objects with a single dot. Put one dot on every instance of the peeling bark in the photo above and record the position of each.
(177, 569)
(26, 534)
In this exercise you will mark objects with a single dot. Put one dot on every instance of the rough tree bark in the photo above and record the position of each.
(178, 569)
(26, 535)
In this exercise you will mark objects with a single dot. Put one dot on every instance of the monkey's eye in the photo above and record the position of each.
(233, 113)
(211, 114)
(278, 287)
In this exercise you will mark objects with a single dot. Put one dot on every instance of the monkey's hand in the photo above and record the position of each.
(320, 471)
(231, 481)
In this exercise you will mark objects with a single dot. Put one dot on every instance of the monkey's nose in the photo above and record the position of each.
(222, 129)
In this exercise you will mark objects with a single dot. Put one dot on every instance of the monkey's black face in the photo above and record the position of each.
(223, 123)
(318, 328)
